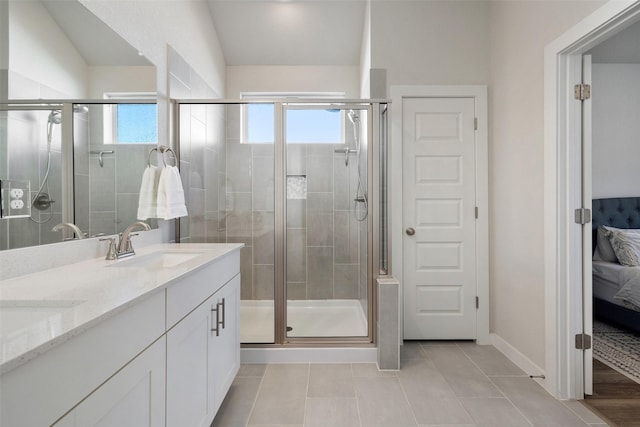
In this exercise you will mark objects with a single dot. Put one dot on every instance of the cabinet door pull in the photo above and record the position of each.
(224, 316)
(214, 326)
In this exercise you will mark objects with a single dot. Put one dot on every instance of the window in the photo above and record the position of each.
(305, 124)
(131, 123)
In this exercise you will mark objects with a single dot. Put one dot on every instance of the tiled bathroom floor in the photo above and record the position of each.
(440, 384)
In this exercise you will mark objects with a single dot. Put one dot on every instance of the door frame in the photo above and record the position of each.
(479, 94)
(563, 181)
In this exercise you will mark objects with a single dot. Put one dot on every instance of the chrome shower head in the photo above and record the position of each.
(353, 116)
(55, 117)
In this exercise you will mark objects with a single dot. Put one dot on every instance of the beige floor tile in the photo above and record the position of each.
(370, 370)
(381, 403)
(421, 380)
(252, 370)
(490, 360)
(448, 411)
(331, 412)
(491, 412)
(538, 406)
(236, 407)
(411, 350)
(583, 412)
(333, 380)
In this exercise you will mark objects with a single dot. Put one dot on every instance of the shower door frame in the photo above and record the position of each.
(376, 197)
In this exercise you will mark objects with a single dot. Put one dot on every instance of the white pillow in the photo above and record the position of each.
(604, 251)
(626, 245)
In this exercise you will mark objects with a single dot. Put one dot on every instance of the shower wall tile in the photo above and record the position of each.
(246, 272)
(23, 150)
(127, 210)
(81, 147)
(213, 233)
(296, 213)
(319, 202)
(263, 237)
(22, 233)
(320, 229)
(263, 150)
(319, 173)
(239, 170)
(346, 237)
(239, 218)
(320, 272)
(130, 164)
(296, 159)
(196, 210)
(263, 184)
(342, 201)
(211, 178)
(103, 222)
(346, 281)
(296, 290)
(315, 150)
(54, 180)
(263, 282)
(102, 184)
(46, 235)
(81, 202)
(198, 136)
(296, 255)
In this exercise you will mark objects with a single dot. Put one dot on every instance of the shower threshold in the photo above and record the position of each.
(306, 318)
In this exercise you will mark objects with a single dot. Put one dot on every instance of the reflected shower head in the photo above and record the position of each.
(353, 116)
(55, 117)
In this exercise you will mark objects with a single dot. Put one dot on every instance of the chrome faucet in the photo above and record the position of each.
(70, 226)
(124, 246)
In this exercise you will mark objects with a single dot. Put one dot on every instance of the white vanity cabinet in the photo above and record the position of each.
(135, 396)
(203, 357)
(165, 357)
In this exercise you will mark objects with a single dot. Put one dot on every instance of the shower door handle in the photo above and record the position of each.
(410, 231)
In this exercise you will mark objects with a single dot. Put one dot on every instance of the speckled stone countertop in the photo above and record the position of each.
(42, 310)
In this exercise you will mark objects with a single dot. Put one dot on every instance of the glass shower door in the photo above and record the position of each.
(326, 221)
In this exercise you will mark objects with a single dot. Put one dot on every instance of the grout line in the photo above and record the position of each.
(255, 399)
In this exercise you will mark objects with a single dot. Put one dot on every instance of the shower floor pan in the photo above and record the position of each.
(306, 318)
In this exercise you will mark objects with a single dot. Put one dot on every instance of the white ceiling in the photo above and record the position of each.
(622, 48)
(95, 41)
(307, 32)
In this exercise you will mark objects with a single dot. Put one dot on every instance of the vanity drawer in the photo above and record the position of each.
(45, 388)
(192, 289)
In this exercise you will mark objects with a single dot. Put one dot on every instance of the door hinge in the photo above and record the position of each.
(583, 342)
(477, 302)
(583, 216)
(475, 123)
(582, 92)
(476, 212)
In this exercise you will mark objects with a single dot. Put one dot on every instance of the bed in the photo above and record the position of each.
(614, 284)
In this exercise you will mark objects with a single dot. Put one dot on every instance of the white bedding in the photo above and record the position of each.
(617, 281)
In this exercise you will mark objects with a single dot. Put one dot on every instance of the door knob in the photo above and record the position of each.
(410, 231)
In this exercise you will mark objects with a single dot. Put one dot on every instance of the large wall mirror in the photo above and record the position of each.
(59, 50)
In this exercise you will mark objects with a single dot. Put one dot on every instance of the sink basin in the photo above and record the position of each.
(18, 314)
(157, 260)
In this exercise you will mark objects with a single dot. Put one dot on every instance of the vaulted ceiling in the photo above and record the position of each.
(301, 32)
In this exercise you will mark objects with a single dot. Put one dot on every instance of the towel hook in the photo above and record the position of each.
(149, 156)
(165, 150)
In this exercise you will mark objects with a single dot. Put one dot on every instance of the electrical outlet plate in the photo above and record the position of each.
(15, 198)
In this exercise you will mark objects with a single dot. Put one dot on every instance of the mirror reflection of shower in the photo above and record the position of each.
(360, 202)
(42, 200)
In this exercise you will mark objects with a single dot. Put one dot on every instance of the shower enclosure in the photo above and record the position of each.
(294, 181)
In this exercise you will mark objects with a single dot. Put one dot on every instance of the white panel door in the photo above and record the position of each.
(439, 193)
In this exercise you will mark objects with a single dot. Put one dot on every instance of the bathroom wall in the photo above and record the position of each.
(287, 78)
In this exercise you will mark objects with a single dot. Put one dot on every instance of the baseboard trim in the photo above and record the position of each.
(519, 359)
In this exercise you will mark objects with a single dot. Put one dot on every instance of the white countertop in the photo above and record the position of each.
(41, 310)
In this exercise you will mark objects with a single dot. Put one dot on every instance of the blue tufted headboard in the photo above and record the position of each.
(621, 212)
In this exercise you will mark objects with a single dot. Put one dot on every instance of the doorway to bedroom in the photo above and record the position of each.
(610, 122)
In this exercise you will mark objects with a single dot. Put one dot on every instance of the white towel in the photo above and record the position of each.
(170, 194)
(148, 200)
